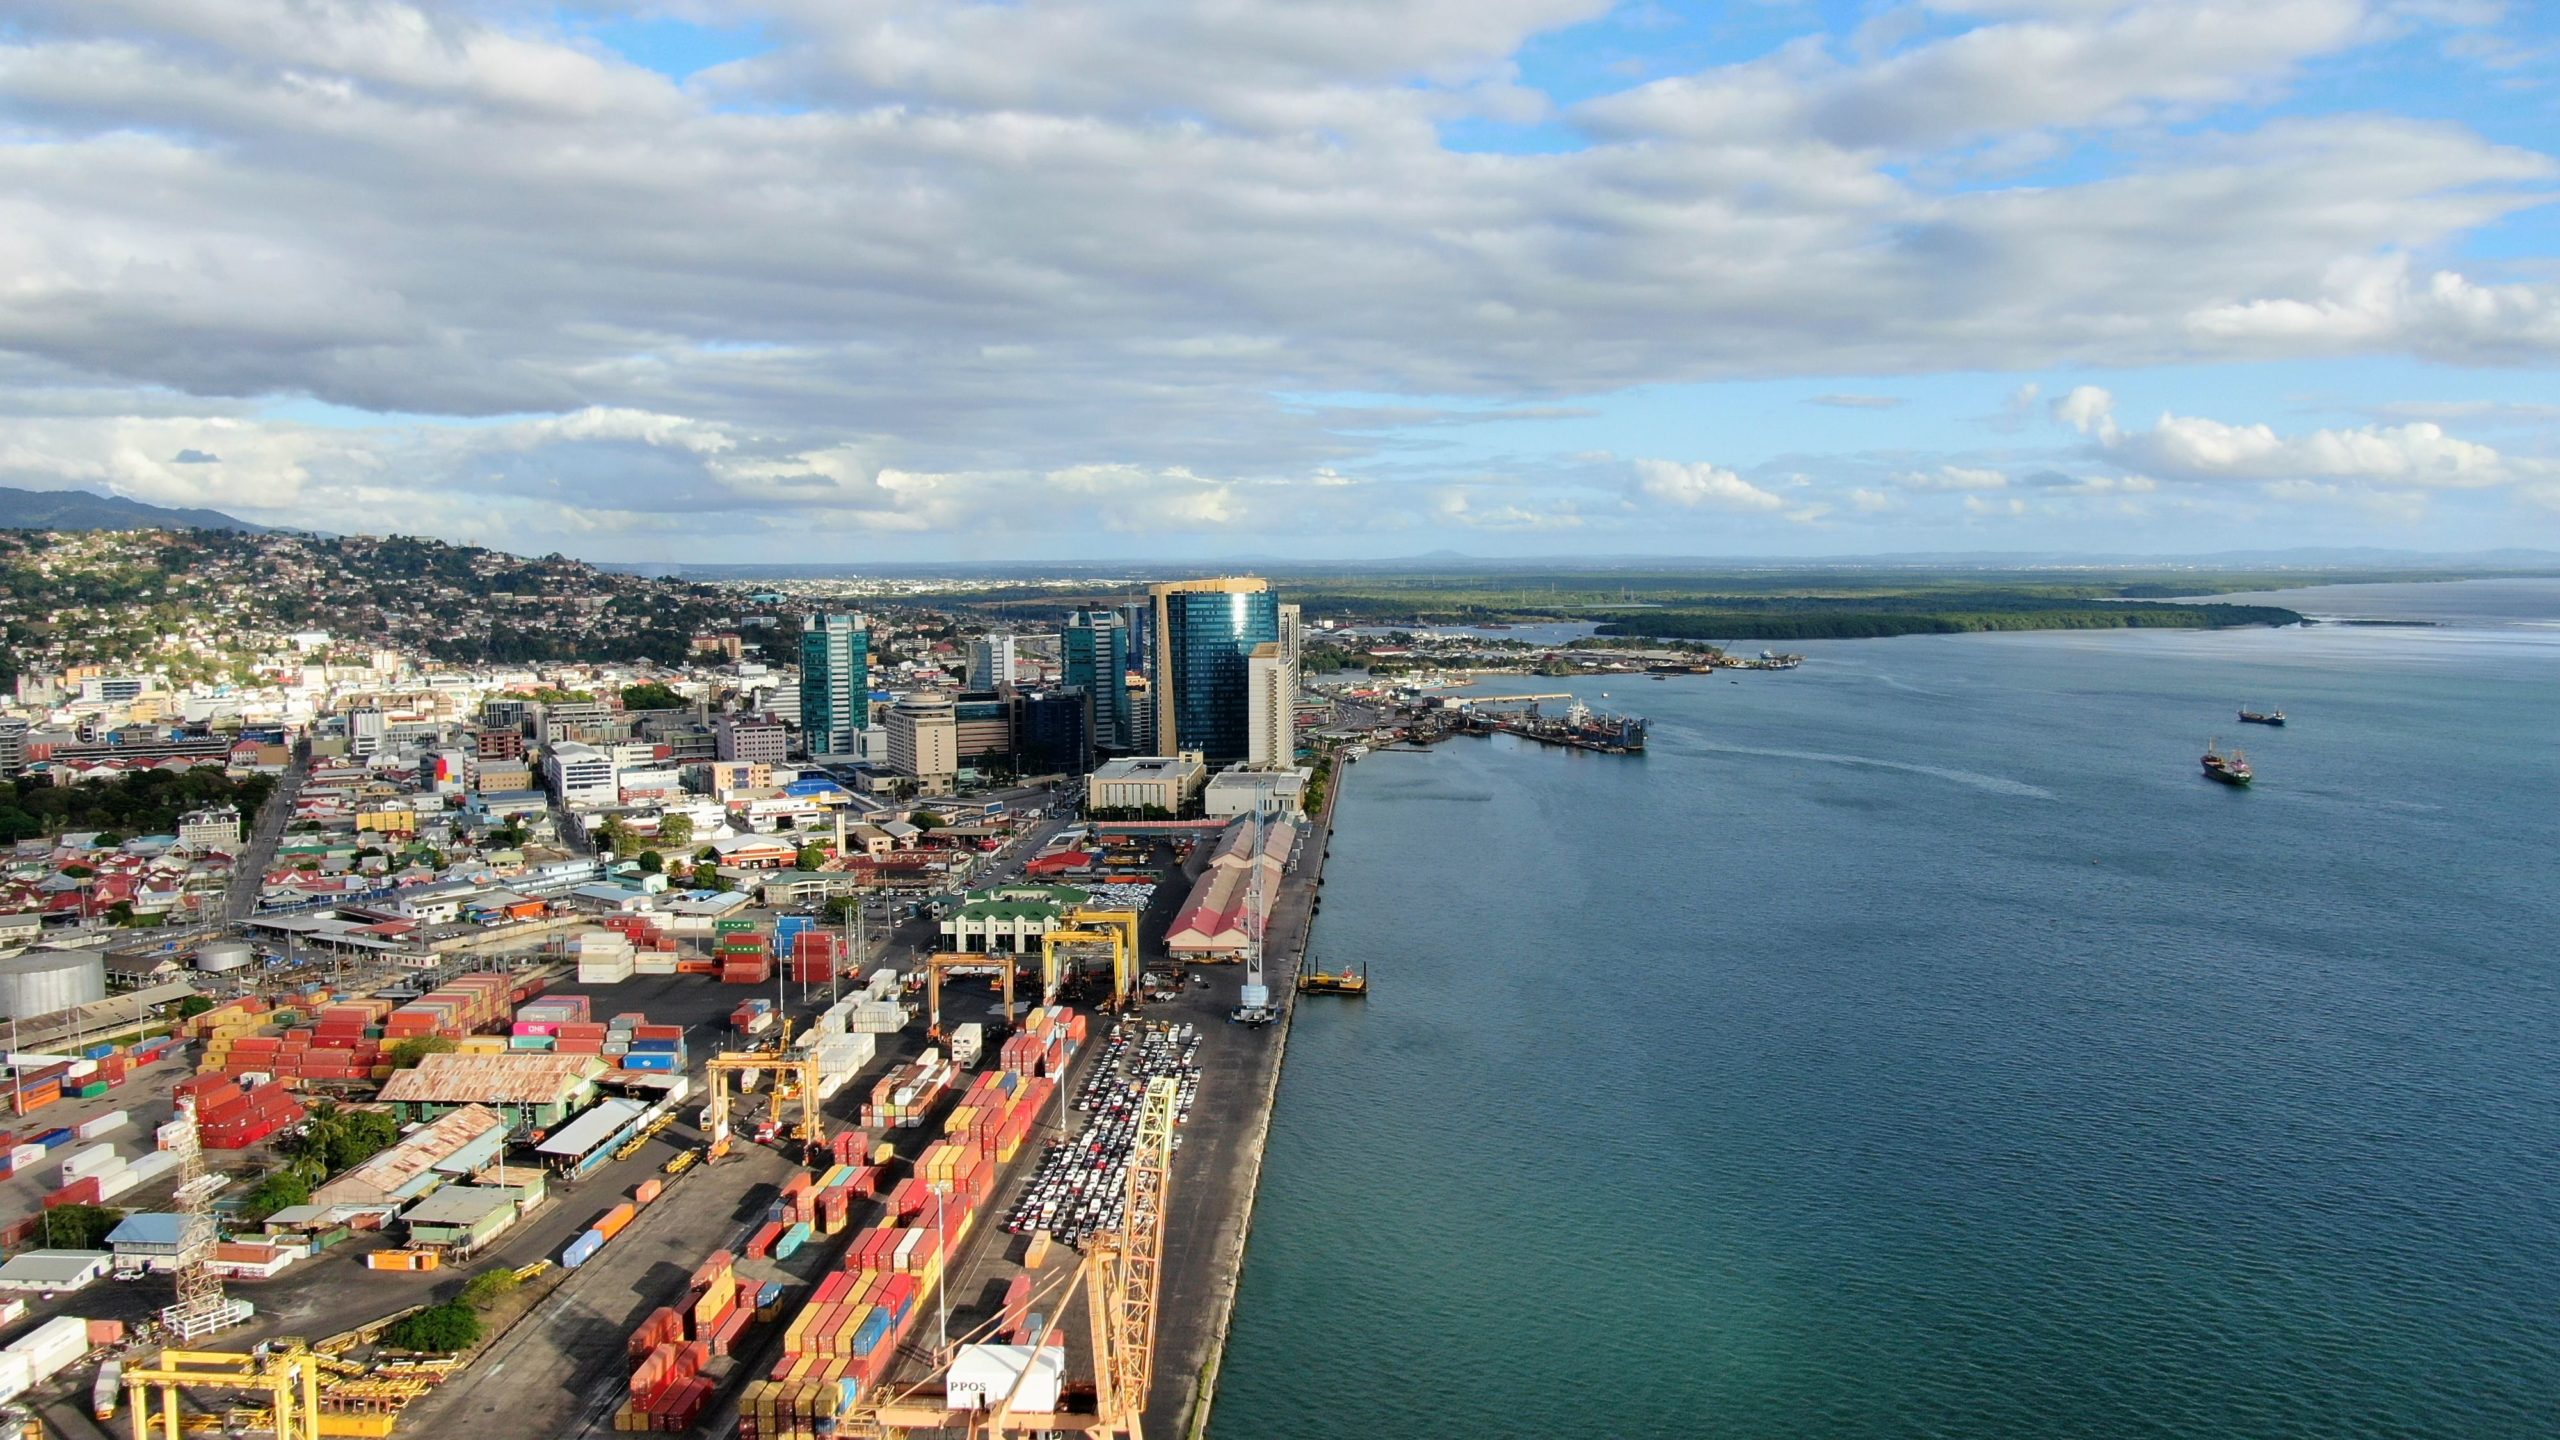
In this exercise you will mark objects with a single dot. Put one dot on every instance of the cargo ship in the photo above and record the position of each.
(2262, 717)
(1580, 728)
(2231, 769)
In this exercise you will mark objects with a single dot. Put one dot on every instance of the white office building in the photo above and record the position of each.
(582, 776)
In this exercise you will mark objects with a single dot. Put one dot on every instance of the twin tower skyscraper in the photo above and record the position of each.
(1204, 665)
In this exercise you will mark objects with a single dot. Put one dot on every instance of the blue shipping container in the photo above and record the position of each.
(770, 1293)
(873, 1330)
(581, 1250)
(657, 1045)
(648, 1060)
(791, 1241)
(51, 1138)
(98, 1052)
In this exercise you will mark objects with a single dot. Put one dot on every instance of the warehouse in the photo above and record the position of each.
(51, 1272)
(591, 1139)
(456, 1146)
(534, 1091)
(464, 1218)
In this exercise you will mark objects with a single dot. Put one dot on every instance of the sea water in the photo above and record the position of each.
(1917, 1044)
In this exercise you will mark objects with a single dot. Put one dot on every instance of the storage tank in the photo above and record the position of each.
(48, 982)
(224, 955)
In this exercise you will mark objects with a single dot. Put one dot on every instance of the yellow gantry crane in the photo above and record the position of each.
(795, 1082)
(285, 1374)
(1121, 1278)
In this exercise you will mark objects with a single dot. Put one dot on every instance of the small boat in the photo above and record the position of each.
(1322, 982)
(2231, 769)
(2262, 717)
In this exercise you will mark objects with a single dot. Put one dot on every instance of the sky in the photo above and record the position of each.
(920, 280)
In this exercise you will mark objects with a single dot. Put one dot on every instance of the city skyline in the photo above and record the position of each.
(765, 281)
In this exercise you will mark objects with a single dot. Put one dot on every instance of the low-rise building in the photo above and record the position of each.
(216, 827)
(1167, 783)
(1237, 790)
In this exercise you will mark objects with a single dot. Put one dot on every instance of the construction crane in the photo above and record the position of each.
(199, 1308)
(1121, 1279)
(1114, 930)
(283, 1372)
(800, 1088)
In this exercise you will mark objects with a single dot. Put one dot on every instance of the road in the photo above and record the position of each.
(266, 832)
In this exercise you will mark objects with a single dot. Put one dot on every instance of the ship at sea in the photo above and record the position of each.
(2231, 769)
(1581, 728)
(2262, 717)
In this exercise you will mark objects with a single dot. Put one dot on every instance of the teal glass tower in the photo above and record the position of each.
(835, 683)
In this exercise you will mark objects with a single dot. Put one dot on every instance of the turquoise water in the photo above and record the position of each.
(1917, 1045)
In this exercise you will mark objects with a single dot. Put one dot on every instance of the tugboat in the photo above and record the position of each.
(2231, 769)
(2262, 717)
(1324, 982)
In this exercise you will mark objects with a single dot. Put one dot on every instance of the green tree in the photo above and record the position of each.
(405, 1054)
(193, 1006)
(79, 1227)
(811, 857)
(489, 1287)
(282, 1190)
(438, 1329)
(651, 696)
(614, 835)
(927, 820)
(675, 830)
(651, 863)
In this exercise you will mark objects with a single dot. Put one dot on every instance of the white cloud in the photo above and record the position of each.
(2418, 454)
(1696, 483)
(2089, 410)
(1953, 477)
(934, 264)
(2379, 304)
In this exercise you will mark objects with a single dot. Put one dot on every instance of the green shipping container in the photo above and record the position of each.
(92, 1090)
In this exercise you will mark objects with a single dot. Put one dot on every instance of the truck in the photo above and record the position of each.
(968, 1044)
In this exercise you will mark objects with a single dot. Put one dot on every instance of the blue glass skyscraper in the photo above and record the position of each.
(835, 683)
(1205, 634)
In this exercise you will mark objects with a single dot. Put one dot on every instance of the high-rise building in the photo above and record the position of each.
(923, 742)
(835, 683)
(758, 739)
(1094, 656)
(991, 661)
(1205, 634)
(982, 728)
(1050, 733)
(1272, 698)
(366, 727)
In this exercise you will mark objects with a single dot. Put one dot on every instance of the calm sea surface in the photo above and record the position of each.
(1918, 1045)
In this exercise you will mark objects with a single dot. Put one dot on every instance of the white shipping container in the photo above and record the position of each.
(81, 1164)
(91, 1129)
(82, 1069)
(170, 1135)
(22, 1156)
(152, 1166)
(612, 971)
(111, 1186)
(968, 1042)
(53, 1347)
(655, 963)
(13, 1377)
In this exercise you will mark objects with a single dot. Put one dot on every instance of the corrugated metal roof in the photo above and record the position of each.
(591, 1129)
(396, 1172)
(514, 1079)
(462, 1205)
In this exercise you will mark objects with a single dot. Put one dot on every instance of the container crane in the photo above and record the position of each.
(283, 1372)
(795, 1082)
(1122, 1280)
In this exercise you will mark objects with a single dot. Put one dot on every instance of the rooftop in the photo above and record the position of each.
(475, 1080)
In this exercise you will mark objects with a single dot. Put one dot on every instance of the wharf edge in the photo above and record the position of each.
(1201, 1379)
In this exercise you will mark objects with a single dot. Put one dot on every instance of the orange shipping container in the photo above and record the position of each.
(614, 1219)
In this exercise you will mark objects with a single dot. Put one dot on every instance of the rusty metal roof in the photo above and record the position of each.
(512, 1079)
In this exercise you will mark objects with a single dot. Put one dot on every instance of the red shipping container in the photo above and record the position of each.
(78, 1192)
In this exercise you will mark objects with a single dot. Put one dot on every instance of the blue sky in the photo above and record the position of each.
(914, 279)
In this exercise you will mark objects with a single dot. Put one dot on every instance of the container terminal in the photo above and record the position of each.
(891, 1202)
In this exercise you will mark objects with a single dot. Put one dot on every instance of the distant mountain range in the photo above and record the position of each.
(82, 510)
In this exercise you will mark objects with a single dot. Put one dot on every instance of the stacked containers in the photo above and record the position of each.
(815, 956)
(604, 957)
(902, 1096)
(668, 1351)
(744, 958)
(655, 1047)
